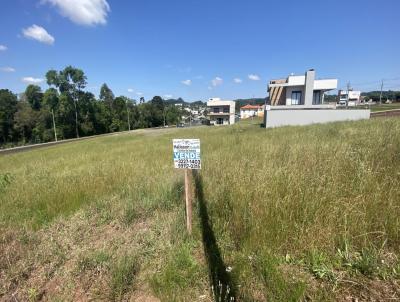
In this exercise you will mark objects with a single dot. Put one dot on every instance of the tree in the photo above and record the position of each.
(107, 96)
(123, 106)
(69, 82)
(87, 112)
(51, 98)
(157, 110)
(34, 96)
(8, 107)
(173, 115)
(25, 120)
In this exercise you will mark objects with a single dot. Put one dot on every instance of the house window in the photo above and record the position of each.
(216, 110)
(296, 97)
(316, 97)
(226, 110)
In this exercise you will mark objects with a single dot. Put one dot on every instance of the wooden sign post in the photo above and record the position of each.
(188, 201)
(187, 156)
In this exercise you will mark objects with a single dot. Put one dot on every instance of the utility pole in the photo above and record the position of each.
(127, 113)
(348, 92)
(380, 96)
(54, 125)
(164, 115)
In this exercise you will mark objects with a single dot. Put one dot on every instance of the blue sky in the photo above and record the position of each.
(199, 49)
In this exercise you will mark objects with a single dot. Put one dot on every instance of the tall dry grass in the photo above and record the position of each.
(295, 193)
(294, 189)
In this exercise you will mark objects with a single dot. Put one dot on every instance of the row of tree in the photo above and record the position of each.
(384, 96)
(66, 110)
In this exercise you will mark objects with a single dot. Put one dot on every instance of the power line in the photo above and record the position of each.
(376, 82)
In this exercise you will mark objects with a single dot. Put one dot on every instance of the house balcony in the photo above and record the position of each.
(219, 113)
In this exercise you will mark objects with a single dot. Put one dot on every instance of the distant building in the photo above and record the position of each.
(299, 100)
(221, 112)
(300, 90)
(251, 111)
(351, 97)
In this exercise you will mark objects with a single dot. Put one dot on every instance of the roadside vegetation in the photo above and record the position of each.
(383, 107)
(286, 214)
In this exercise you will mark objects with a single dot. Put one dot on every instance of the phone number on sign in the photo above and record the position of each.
(188, 164)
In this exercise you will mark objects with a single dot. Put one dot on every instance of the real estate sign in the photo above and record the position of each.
(187, 153)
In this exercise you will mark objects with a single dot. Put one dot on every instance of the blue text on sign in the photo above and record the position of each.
(186, 155)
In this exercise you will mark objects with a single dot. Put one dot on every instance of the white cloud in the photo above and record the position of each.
(3, 47)
(7, 69)
(130, 90)
(254, 77)
(38, 33)
(237, 80)
(168, 96)
(187, 82)
(82, 12)
(217, 81)
(139, 93)
(31, 80)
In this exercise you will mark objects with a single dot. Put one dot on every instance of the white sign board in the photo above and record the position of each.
(187, 153)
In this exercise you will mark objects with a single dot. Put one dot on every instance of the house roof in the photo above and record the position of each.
(248, 106)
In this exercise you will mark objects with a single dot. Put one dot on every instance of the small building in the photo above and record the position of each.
(221, 112)
(251, 111)
(350, 98)
(299, 100)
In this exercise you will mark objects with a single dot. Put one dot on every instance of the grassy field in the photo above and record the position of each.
(287, 214)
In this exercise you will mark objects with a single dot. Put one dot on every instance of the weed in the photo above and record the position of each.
(5, 180)
(123, 273)
(129, 215)
(320, 266)
(97, 261)
(33, 294)
(367, 262)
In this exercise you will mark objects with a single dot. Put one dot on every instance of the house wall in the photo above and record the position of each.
(246, 113)
(289, 90)
(326, 84)
(309, 87)
(296, 117)
(296, 80)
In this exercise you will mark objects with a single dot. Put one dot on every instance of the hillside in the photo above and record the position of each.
(282, 214)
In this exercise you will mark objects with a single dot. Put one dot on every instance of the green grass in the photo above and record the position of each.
(177, 279)
(383, 107)
(123, 274)
(97, 261)
(321, 199)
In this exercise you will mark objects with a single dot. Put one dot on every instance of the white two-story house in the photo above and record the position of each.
(221, 112)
